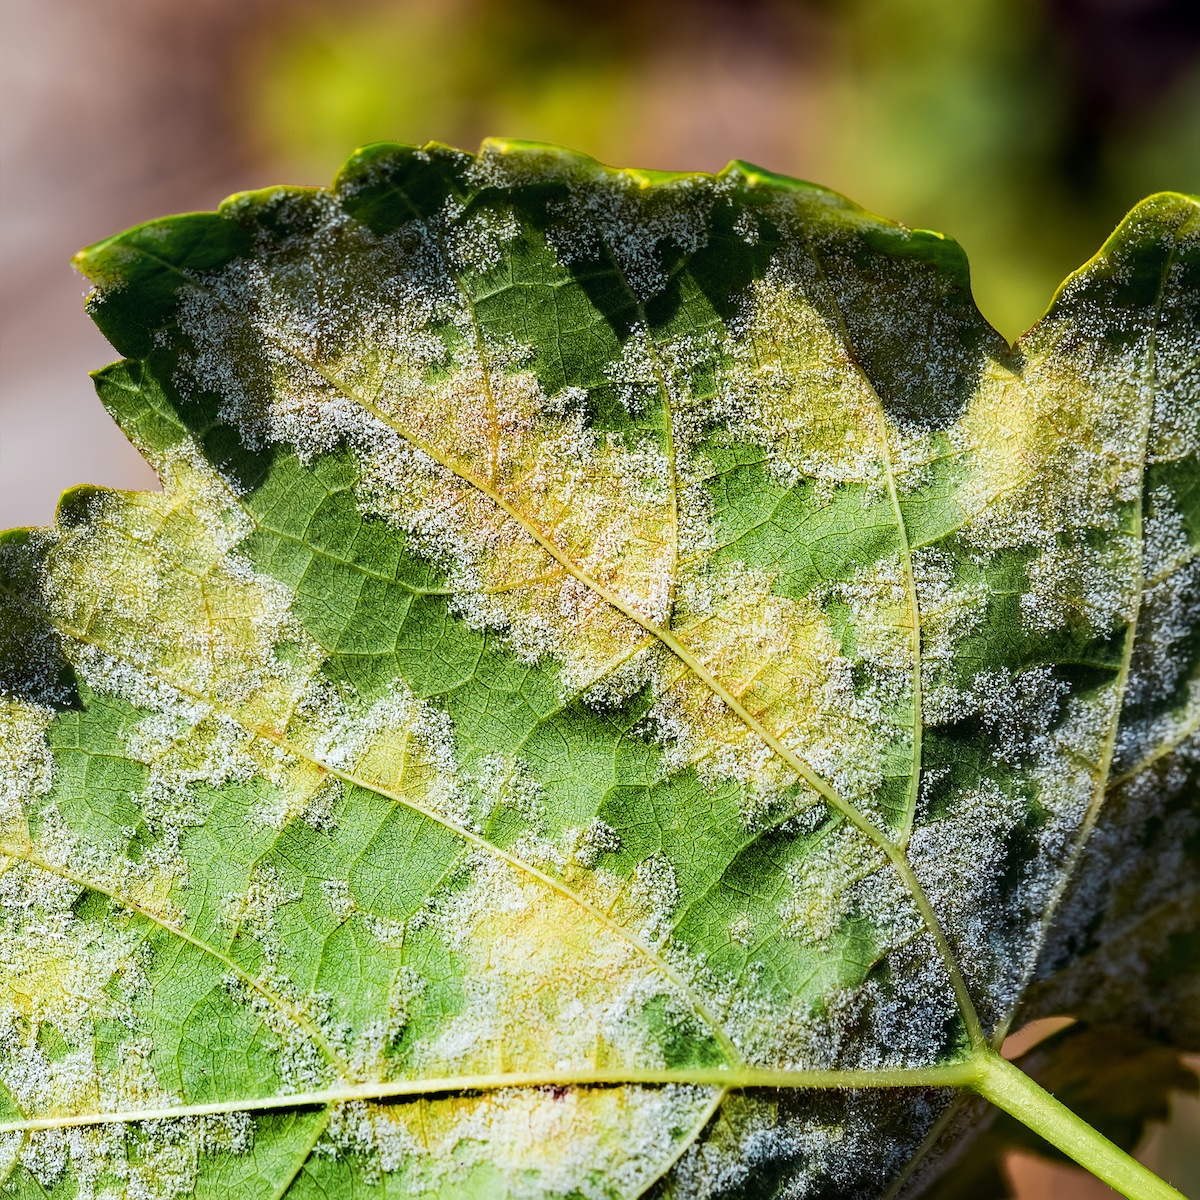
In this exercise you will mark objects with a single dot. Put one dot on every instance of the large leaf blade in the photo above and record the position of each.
(571, 592)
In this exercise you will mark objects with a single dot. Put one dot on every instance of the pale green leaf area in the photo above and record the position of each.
(630, 688)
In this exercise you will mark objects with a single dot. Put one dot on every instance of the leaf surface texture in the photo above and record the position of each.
(594, 623)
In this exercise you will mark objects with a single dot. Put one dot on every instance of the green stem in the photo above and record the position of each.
(1012, 1090)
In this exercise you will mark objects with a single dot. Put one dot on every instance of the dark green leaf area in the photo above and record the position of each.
(32, 664)
(151, 262)
(801, 536)
(1125, 953)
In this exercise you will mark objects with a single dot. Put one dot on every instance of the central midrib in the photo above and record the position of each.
(954, 1075)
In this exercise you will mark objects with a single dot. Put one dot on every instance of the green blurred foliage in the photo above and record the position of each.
(975, 117)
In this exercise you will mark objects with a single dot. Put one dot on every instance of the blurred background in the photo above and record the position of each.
(1024, 128)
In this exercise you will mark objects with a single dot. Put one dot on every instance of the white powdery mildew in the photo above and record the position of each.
(951, 611)
(959, 861)
(442, 417)
(594, 1143)
(616, 217)
(819, 1145)
(780, 658)
(289, 1015)
(1175, 429)
(597, 837)
(503, 781)
(1056, 466)
(788, 383)
(150, 590)
(445, 422)
(1152, 714)
(963, 859)
(1017, 710)
(59, 976)
(397, 742)
(1122, 902)
(476, 242)
(156, 1160)
(870, 701)
(824, 880)
(254, 909)
(654, 889)
(636, 375)
(26, 764)
(542, 988)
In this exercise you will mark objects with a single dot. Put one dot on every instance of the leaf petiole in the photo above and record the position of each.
(1022, 1097)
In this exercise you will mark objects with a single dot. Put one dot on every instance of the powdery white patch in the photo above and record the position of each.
(505, 781)
(960, 861)
(396, 742)
(654, 889)
(338, 896)
(472, 460)
(476, 242)
(1056, 460)
(1161, 661)
(636, 375)
(816, 1144)
(1019, 711)
(1127, 904)
(952, 609)
(593, 1143)
(839, 875)
(154, 1160)
(428, 440)
(1140, 744)
(26, 763)
(616, 217)
(282, 338)
(745, 225)
(1068, 582)
(963, 860)
(597, 837)
(290, 1016)
(787, 383)
(58, 976)
(608, 504)
(780, 658)
(545, 984)
(254, 909)
(742, 929)
(162, 614)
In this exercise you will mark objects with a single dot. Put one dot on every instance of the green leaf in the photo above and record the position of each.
(628, 680)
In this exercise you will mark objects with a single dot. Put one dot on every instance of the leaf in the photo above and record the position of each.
(622, 686)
